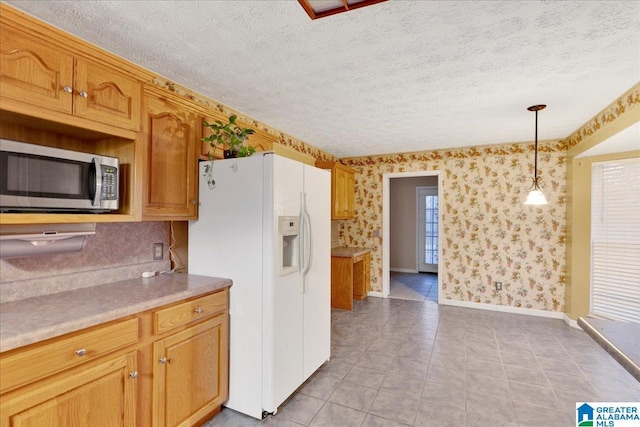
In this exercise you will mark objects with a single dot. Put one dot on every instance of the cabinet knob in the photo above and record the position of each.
(83, 94)
(192, 201)
(164, 360)
(81, 352)
(197, 310)
(133, 375)
(67, 89)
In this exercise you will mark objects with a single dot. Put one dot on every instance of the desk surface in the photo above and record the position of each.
(349, 252)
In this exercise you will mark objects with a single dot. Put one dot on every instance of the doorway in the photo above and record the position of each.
(409, 271)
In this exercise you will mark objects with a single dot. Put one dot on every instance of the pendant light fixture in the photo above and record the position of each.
(535, 196)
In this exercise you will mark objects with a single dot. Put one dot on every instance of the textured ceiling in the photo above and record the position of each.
(393, 77)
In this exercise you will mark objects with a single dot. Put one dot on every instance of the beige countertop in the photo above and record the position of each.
(348, 252)
(36, 319)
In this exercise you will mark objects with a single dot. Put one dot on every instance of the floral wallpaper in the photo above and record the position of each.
(627, 102)
(489, 235)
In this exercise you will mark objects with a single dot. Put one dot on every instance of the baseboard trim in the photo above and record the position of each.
(503, 308)
(569, 321)
(404, 270)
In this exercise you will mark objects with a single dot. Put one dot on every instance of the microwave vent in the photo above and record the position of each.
(17, 241)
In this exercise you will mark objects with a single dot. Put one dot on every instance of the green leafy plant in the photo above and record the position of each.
(229, 135)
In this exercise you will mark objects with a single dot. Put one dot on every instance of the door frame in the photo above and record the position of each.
(386, 225)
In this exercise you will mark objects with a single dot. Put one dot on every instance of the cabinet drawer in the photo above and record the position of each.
(183, 313)
(32, 363)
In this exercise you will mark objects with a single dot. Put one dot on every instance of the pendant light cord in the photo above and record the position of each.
(536, 108)
(535, 196)
(535, 157)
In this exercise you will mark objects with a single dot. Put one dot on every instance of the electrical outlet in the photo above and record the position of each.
(498, 285)
(158, 251)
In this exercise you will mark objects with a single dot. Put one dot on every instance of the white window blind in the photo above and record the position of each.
(615, 239)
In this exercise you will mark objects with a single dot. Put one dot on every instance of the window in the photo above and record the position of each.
(427, 229)
(615, 239)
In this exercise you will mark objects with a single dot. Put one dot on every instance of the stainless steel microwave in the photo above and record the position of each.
(45, 179)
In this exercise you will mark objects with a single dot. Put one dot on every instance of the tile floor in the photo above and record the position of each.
(408, 363)
(414, 286)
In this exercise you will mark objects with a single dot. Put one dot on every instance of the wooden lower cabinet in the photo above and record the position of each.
(103, 393)
(350, 280)
(124, 373)
(190, 373)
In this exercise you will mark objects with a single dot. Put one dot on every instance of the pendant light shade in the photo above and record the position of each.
(536, 197)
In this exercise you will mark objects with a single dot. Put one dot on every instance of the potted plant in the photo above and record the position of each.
(230, 136)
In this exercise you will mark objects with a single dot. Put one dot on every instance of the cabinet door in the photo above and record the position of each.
(34, 72)
(190, 376)
(340, 193)
(350, 195)
(102, 394)
(172, 143)
(343, 198)
(106, 96)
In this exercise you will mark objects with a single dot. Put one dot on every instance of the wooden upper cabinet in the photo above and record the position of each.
(171, 140)
(342, 189)
(344, 193)
(42, 80)
(106, 96)
(35, 72)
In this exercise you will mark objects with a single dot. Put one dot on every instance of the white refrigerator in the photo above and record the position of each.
(266, 224)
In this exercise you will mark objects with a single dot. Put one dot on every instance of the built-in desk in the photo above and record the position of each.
(350, 276)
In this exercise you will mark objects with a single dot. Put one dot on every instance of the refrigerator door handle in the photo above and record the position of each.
(308, 247)
(301, 252)
(304, 246)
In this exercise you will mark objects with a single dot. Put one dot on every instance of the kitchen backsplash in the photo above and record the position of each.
(118, 251)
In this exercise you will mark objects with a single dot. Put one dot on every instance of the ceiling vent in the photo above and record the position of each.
(322, 8)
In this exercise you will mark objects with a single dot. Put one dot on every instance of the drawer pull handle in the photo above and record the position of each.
(81, 352)
(67, 89)
(164, 360)
(133, 375)
(197, 310)
(83, 94)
